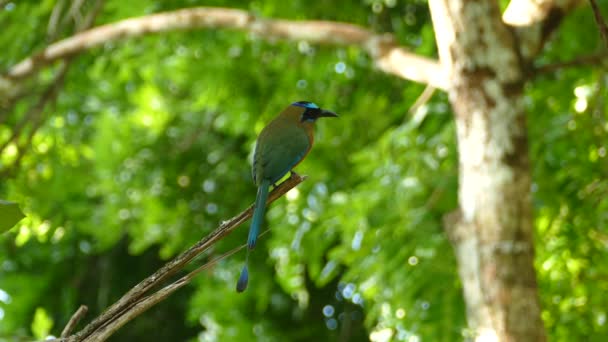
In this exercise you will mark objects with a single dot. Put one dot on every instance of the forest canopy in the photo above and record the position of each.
(123, 155)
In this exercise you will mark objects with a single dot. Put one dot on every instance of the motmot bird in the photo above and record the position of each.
(281, 145)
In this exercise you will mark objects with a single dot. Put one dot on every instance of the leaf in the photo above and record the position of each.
(42, 324)
(10, 214)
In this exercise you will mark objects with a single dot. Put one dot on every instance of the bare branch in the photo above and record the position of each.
(389, 56)
(16, 130)
(147, 302)
(75, 13)
(601, 23)
(588, 60)
(11, 96)
(53, 25)
(76, 317)
(418, 115)
(89, 19)
(422, 99)
(138, 292)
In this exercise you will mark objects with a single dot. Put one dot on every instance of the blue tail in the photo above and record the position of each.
(254, 230)
(241, 284)
(258, 214)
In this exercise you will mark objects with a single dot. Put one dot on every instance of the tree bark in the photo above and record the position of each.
(492, 231)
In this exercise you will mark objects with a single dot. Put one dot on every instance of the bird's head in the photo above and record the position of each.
(310, 112)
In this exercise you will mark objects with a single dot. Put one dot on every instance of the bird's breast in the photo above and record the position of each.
(279, 148)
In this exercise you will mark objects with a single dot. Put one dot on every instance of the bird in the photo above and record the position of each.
(281, 145)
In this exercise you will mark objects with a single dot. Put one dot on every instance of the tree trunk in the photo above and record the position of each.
(492, 232)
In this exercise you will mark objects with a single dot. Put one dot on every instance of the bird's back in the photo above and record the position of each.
(280, 147)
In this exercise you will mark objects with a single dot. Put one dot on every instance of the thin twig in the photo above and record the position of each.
(75, 13)
(89, 20)
(53, 26)
(422, 99)
(139, 291)
(76, 317)
(593, 59)
(34, 112)
(601, 23)
(8, 99)
(147, 302)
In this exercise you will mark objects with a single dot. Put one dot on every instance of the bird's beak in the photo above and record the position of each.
(327, 113)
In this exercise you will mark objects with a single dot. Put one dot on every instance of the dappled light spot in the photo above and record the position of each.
(601, 318)
(292, 194)
(58, 235)
(310, 215)
(348, 290)
(340, 67)
(209, 185)
(211, 208)
(183, 181)
(400, 313)
(305, 48)
(5, 297)
(413, 261)
(10, 151)
(486, 335)
(339, 198)
(23, 235)
(328, 311)
(382, 335)
(357, 299)
(84, 246)
(331, 323)
(124, 214)
(357, 239)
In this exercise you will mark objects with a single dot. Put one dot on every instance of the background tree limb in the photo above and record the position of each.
(601, 23)
(388, 55)
(534, 19)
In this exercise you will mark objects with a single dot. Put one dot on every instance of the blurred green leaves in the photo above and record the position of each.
(148, 148)
(10, 214)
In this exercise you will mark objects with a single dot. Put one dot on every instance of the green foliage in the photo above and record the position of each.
(148, 148)
(10, 214)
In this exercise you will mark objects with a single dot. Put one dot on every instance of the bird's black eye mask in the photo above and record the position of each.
(310, 115)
